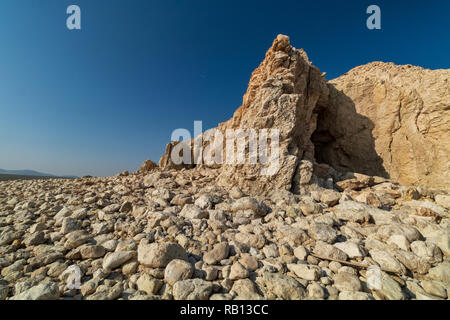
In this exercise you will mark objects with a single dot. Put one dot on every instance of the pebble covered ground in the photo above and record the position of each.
(177, 235)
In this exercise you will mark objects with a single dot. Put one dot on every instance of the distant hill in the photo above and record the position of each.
(32, 173)
(26, 173)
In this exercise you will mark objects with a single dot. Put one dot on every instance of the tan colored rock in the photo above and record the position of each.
(116, 259)
(387, 261)
(238, 271)
(249, 262)
(391, 121)
(345, 281)
(283, 93)
(330, 197)
(220, 252)
(379, 119)
(305, 271)
(147, 166)
(284, 287)
(178, 270)
(158, 255)
(246, 290)
(443, 200)
(192, 289)
(149, 284)
(92, 251)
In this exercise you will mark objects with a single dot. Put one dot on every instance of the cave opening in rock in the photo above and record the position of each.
(346, 143)
(322, 140)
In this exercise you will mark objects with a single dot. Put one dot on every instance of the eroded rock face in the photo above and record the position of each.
(388, 120)
(282, 94)
(379, 119)
(176, 234)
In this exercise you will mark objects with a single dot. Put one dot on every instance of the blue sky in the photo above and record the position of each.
(103, 99)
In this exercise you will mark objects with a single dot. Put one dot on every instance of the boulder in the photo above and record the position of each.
(193, 289)
(158, 255)
(178, 270)
(43, 291)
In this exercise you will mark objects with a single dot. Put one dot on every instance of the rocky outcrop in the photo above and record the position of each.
(379, 119)
(147, 166)
(388, 120)
(283, 93)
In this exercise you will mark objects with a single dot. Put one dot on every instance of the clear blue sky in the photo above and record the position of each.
(102, 100)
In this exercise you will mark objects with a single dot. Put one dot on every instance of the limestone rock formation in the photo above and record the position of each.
(283, 93)
(388, 120)
(379, 119)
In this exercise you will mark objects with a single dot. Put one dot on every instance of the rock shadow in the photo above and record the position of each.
(343, 137)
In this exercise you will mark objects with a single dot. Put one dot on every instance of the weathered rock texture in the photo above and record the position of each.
(378, 119)
(147, 166)
(388, 120)
(283, 93)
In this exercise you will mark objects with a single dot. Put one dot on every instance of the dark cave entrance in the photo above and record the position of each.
(322, 140)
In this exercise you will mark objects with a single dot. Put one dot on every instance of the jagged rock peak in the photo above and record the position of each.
(284, 93)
